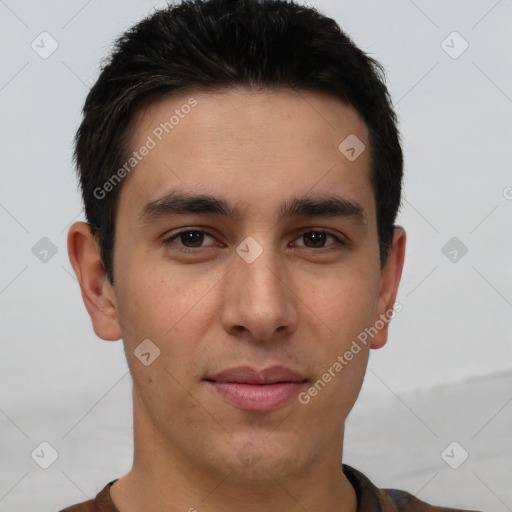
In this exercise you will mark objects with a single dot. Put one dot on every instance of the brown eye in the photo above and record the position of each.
(192, 238)
(189, 239)
(317, 239)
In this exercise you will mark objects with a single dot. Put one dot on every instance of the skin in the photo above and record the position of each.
(299, 304)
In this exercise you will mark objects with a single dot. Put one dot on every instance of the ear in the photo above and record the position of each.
(97, 292)
(389, 281)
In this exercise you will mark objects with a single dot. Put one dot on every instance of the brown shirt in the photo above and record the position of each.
(369, 498)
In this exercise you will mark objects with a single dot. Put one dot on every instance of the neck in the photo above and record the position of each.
(163, 479)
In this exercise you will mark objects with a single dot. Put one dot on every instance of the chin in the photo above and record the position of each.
(263, 461)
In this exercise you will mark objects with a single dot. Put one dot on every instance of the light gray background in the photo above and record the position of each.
(446, 372)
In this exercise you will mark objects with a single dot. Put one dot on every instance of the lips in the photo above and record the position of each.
(255, 390)
(248, 375)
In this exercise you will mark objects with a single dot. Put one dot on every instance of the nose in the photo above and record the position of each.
(258, 303)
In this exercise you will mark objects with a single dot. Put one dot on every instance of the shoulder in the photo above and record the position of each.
(371, 498)
(404, 501)
(85, 506)
(101, 503)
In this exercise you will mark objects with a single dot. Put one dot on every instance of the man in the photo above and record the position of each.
(241, 171)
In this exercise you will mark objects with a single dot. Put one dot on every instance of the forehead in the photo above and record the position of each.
(252, 147)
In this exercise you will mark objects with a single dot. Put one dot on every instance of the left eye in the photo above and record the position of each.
(318, 238)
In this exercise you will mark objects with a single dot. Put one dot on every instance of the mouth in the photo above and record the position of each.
(255, 390)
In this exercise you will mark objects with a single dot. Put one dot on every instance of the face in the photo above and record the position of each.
(252, 294)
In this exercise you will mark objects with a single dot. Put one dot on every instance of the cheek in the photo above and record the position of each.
(152, 304)
(162, 310)
(171, 309)
(344, 301)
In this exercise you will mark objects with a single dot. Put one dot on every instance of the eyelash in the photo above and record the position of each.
(169, 240)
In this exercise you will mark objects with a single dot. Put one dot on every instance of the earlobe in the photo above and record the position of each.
(97, 292)
(390, 279)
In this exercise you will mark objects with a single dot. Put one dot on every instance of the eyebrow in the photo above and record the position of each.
(182, 203)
